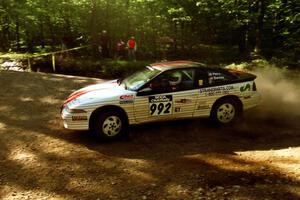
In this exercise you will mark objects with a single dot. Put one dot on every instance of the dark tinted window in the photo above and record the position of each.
(218, 77)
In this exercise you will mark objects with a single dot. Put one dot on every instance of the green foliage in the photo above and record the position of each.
(106, 69)
(121, 68)
(42, 25)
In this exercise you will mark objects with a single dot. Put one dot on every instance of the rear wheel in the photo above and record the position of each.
(226, 111)
(109, 125)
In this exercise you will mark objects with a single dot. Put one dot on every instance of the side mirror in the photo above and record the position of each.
(144, 91)
(147, 89)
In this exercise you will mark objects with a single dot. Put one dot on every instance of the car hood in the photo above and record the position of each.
(107, 91)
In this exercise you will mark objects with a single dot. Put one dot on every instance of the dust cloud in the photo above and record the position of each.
(280, 90)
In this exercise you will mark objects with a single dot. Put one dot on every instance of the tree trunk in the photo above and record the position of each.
(259, 27)
(18, 33)
(42, 39)
(243, 39)
(128, 24)
(175, 37)
(93, 28)
(182, 36)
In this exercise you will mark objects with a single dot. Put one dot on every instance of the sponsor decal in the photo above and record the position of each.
(177, 109)
(202, 107)
(126, 102)
(212, 76)
(79, 118)
(183, 101)
(160, 98)
(247, 97)
(126, 97)
(246, 87)
(160, 105)
(220, 90)
(200, 82)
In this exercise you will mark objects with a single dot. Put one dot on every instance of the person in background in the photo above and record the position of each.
(131, 45)
(120, 49)
(65, 44)
(104, 44)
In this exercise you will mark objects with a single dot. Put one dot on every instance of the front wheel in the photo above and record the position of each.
(225, 112)
(109, 125)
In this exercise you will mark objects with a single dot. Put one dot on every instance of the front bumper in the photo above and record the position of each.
(74, 121)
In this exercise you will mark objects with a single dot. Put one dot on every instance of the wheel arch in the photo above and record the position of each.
(231, 97)
(108, 108)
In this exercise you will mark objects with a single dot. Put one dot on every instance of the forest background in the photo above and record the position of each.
(210, 31)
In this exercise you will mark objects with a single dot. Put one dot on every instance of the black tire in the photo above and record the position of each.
(226, 111)
(109, 125)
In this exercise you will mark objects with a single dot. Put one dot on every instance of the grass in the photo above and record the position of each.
(77, 64)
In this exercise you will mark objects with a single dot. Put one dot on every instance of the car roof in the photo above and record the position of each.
(163, 66)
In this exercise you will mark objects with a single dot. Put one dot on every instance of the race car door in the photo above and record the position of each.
(171, 95)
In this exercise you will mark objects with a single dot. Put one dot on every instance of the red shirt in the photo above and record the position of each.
(131, 43)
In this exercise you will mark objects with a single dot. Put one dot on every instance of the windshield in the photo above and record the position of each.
(138, 79)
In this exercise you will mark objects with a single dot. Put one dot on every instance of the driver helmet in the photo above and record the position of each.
(175, 78)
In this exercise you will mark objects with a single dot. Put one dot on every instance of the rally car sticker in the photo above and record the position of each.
(220, 90)
(212, 76)
(160, 105)
(202, 107)
(246, 87)
(184, 101)
(126, 99)
(177, 109)
(79, 118)
(200, 82)
(248, 97)
(126, 102)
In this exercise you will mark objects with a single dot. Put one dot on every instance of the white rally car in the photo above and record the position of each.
(162, 91)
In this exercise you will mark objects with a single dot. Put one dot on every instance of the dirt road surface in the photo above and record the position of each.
(257, 159)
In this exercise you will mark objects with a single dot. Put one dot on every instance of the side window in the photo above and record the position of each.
(174, 80)
(216, 77)
(188, 79)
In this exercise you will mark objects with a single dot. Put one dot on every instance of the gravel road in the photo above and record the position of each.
(257, 159)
